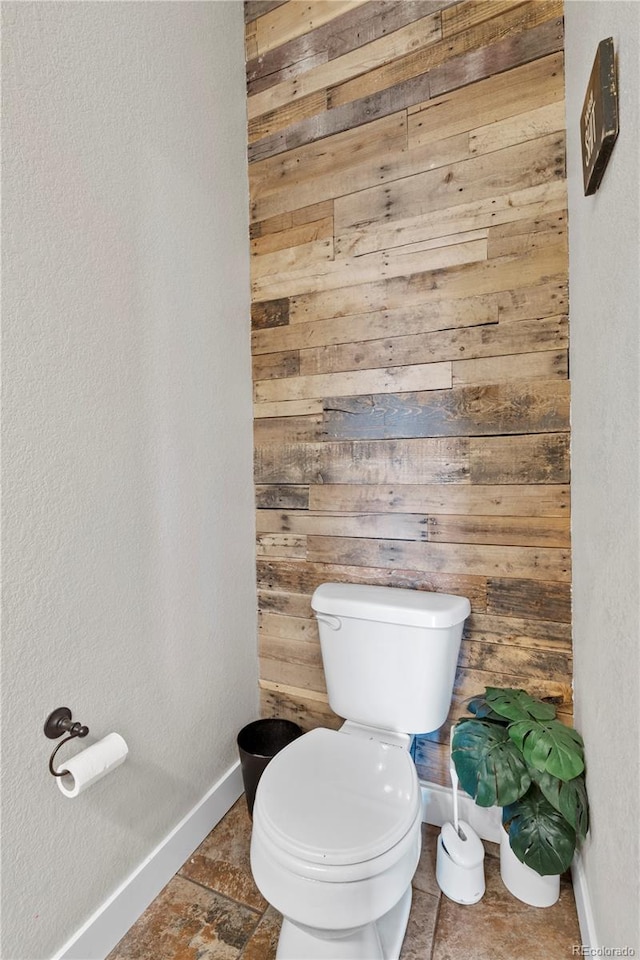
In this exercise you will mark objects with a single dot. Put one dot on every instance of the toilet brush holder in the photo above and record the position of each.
(460, 863)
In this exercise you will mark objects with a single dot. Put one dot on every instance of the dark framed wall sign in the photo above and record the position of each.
(599, 120)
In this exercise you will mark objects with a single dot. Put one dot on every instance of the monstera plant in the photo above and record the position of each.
(513, 753)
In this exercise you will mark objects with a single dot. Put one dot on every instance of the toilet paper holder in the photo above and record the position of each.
(59, 722)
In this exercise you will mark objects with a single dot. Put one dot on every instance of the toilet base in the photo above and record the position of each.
(381, 940)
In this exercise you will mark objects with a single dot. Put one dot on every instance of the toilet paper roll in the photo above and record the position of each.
(90, 765)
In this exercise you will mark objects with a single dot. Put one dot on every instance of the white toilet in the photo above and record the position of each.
(337, 816)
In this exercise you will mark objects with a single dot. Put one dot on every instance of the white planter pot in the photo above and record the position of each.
(523, 882)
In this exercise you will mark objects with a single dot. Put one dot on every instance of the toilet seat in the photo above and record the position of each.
(330, 803)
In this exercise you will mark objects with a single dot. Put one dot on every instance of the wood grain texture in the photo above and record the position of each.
(497, 408)
(488, 47)
(409, 331)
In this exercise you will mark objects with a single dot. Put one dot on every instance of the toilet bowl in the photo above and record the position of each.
(336, 842)
(337, 817)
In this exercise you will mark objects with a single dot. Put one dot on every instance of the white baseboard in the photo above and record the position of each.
(586, 919)
(437, 809)
(102, 931)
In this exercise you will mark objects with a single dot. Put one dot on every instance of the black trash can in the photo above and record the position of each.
(258, 743)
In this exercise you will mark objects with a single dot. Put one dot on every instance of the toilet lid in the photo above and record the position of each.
(333, 798)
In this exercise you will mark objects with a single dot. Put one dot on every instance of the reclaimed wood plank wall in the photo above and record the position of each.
(409, 289)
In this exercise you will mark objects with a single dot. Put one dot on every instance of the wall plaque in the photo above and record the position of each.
(599, 120)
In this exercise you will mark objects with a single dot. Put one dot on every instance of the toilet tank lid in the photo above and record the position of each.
(397, 605)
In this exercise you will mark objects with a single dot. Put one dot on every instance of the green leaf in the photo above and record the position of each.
(518, 705)
(550, 747)
(539, 835)
(569, 798)
(490, 767)
(481, 710)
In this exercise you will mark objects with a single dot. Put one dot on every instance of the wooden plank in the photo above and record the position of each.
(523, 598)
(287, 408)
(426, 376)
(489, 101)
(519, 129)
(282, 497)
(351, 30)
(280, 73)
(401, 321)
(544, 365)
(405, 93)
(289, 429)
(290, 604)
(389, 526)
(287, 128)
(460, 16)
(432, 763)
(522, 407)
(530, 31)
(270, 272)
(540, 200)
(533, 563)
(478, 64)
(319, 272)
(536, 634)
(395, 45)
(511, 531)
(284, 364)
(277, 626)
(291, 20)
(308, 163)
(300, 706)
(270, 313)
(293, 218)
(257, 8)
(351, 117)
(542, 458)
(521, 236)
(298, 111)
(513, 168)
(405, 250)
(297, 576)
(291, 652)
(543, 300)
(304, 676)
(470, 682)
(529, 336)
(375, 20)
(378, 461)
(419, 527)
(280, 545)
(461, 282)
(501, 501)
(521, 662)
(250, 41)
(295, 236)
(346, 32)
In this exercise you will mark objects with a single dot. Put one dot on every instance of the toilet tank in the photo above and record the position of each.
(389, 654)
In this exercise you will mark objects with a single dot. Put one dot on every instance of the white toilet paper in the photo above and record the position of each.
(92, 764)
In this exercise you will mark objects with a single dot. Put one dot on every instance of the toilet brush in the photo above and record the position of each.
(460, 859)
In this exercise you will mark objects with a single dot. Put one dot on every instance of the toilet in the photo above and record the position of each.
(337, 817)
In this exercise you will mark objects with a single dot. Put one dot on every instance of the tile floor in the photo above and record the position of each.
(211, 910)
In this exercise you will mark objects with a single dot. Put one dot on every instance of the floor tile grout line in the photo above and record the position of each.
(238, 903)
(435, 928)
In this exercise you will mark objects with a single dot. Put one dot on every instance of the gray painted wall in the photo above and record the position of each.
(128, 531)
(604, 265)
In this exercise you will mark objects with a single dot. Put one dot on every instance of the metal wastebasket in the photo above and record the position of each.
(258, 743)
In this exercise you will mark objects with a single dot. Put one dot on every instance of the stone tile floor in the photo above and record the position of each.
(211, 910)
